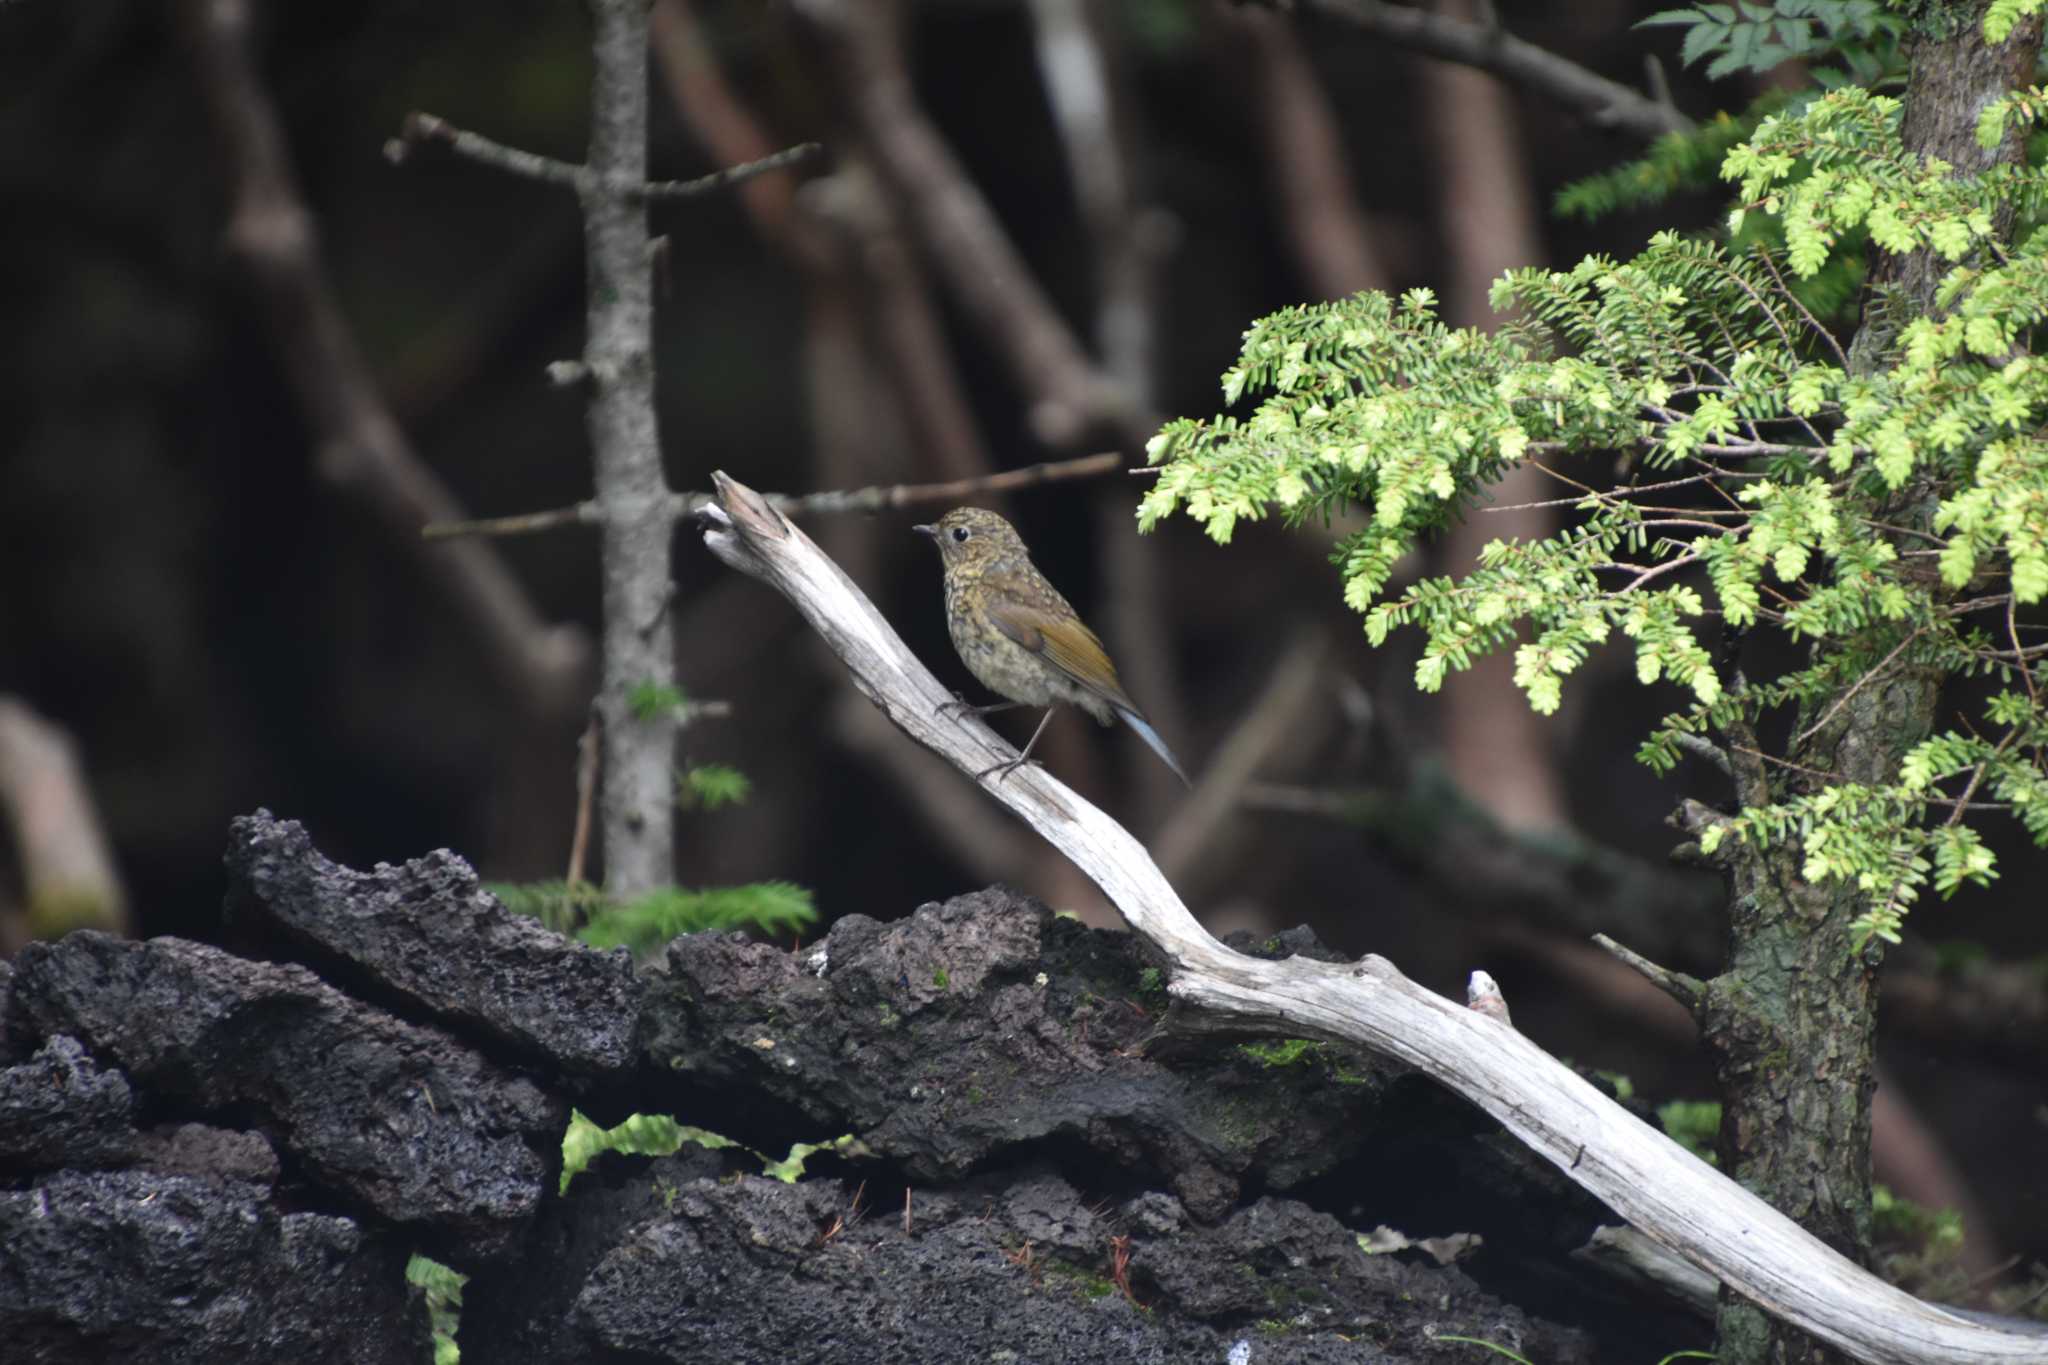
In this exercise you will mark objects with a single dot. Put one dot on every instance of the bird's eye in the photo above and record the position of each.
(960, 533)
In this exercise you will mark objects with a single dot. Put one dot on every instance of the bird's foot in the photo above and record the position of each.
(1005, 768)
(961, 706)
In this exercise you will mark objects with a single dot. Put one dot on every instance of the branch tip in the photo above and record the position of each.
(750, 513)
(1688, 991)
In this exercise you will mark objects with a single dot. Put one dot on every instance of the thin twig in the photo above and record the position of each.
(1821, 775)
(1763, 254)
(1622, 493)
(1783, 333)
(731, 175)
(1686, 990)
(879, 498)
(1655, 571)
(1810, 731)
(586, 792)
(1976, 778)
(420, 129)
(2012, 632)
(526, 523)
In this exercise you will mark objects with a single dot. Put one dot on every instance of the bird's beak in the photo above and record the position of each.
(928, 532)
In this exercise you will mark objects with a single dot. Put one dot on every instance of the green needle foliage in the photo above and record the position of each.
(1886, 515)
(1676, 163)
(646, 924)
(709, 786)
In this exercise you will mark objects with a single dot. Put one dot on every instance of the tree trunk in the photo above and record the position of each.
(635, 800)
(1791, 1024)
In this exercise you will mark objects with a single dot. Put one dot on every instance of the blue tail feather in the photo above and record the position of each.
(1152, 739)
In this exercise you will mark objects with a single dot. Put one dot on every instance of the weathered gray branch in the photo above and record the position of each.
(1659, 1187)
(421, 129)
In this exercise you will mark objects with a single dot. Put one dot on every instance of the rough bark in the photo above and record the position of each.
(1791, 1023)
(635, 800)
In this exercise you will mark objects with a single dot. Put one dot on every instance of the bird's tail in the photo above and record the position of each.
(1152, 739)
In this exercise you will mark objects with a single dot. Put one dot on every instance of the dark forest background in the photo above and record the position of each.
(220, 624)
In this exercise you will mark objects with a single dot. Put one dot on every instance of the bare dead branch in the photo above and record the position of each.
(1686, 990)
(1644, 1176)
(880, 498)
(1604, 103)
(420, 129)
(523, 524)
(587, 751)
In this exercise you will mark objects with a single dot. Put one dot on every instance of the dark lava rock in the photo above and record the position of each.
(519, 1310)
(17, 1040)
(1020, 1271)
(141, 1268)
(429, 933)
(60, 1109)
(985, 1024)
(197, 1149)
(398, 1117)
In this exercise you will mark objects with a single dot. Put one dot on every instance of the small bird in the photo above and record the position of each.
(1020, 637)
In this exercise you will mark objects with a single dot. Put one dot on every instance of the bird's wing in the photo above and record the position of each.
(1065, 641)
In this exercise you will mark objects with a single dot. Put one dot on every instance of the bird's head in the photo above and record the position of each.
(969, 537)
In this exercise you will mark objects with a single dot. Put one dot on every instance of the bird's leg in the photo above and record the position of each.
(1006, 768)
(965, 707)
